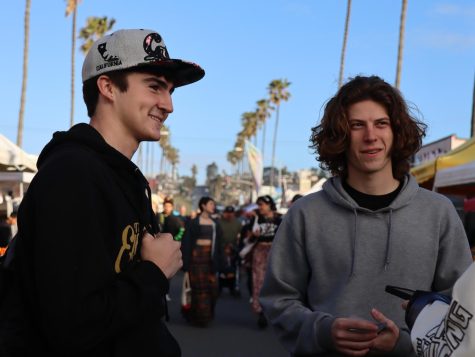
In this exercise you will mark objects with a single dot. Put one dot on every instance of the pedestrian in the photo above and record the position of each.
(170, 223)
(12, 221)
(5, 231)
(231, 228)
(93, 281)
(369, 227)
(295, 198)
(245, 249)
(202, 261)
(263, 228)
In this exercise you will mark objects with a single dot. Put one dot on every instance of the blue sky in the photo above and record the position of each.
(243, 45)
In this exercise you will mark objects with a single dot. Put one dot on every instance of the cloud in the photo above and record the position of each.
(446, 40)
(448, 9)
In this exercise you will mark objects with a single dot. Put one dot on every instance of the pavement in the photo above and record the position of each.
(232, 333)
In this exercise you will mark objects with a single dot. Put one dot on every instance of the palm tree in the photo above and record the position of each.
(400, 49)
(278, 92)
(263, 113)
(345, 40)
(472, 129)
(95, 28)
(232, 157)
(194, 172)
(164, 145)
(71, 7)
(249, 124)
(19, 138)
(174, 158)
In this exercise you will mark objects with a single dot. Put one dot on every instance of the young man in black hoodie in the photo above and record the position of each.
(94, 282)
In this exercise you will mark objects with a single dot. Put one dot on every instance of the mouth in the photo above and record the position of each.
(156, 118)
(371, 151)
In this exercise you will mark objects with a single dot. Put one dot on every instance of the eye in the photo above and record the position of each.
(382, 123)
(356, 125)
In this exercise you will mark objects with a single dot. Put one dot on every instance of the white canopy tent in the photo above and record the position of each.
(454, 176)
(17, 167)
(13, 158)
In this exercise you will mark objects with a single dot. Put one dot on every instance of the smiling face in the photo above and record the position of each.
(371, 141)
(144, 106)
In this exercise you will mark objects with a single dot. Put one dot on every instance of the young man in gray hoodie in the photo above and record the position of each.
(370, 226)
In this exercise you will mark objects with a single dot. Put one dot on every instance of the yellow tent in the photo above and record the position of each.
(464, 154)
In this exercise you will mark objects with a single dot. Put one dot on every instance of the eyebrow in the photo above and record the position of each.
(157, 80)
(378, 119)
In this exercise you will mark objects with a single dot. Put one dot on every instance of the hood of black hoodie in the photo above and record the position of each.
(130, 178)
(85, 135)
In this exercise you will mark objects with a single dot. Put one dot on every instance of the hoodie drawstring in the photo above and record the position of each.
(355, 234)
(355, 241)
(388, 242)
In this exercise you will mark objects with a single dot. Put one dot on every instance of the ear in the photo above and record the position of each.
(106, 87)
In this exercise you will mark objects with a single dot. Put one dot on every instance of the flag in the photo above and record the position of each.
(254, 157)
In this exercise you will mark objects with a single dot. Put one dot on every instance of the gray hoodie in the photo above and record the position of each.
(332, 258)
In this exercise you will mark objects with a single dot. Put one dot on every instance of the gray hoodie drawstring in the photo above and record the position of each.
(388, 242)
(355, 241)
(355, 233)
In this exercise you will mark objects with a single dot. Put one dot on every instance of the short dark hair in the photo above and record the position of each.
(168, 200)
(267, 200)
(331, 138)
(90, 91)
(296, 197)
(204, 201)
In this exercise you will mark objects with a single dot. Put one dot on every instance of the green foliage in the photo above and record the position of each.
(96, 27)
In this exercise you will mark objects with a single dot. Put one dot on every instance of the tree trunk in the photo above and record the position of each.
(19, 139)
(263, 141)
(472, 131)
(345, 40)
(402, 27)
(274, 144)
(73, 57)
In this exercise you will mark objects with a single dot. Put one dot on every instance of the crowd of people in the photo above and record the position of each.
(95, 281)
(218, 247)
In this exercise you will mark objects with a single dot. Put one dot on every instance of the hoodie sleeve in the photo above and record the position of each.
(283, 295)
(78, 297)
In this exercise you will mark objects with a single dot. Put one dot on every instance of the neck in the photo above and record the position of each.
(269, 214)
(204, 215)
(114, 134)
(373, 184)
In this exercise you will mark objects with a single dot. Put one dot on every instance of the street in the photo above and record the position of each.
(233, 333)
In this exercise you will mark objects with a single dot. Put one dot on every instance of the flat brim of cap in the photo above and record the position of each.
(180, 72)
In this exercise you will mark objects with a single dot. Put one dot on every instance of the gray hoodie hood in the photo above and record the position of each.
(334, 189)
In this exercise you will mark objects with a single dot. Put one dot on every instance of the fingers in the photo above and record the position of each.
(353, 337)
(163, 251)
(388, 337)
(379, 316)
(404, 304)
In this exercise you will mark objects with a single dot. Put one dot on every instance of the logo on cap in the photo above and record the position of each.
(111, 60)
(153, 46)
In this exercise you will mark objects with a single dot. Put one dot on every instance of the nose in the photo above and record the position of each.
(370, 133)
(165, 103)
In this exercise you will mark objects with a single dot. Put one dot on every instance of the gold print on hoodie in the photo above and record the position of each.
(130, 241)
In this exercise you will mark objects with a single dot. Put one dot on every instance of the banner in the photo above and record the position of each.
(254, 158)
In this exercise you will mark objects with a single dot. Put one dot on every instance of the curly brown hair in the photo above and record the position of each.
(331, 138)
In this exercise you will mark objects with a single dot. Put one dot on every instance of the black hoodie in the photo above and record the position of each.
(85, 290)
